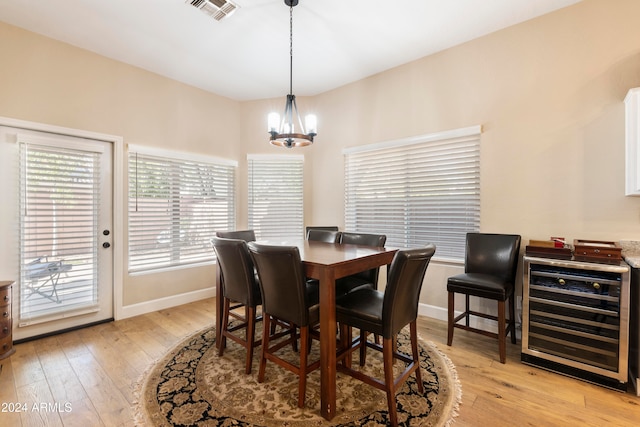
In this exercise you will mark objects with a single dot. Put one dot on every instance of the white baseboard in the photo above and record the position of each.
(432, 311)
(163, 303)
(435, 312)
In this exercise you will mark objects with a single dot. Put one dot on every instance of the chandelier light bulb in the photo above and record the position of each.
(311, 124)
(273, 122)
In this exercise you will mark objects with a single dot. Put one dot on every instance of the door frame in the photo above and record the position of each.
(119, 239)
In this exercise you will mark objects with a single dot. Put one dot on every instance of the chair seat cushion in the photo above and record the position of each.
(480, 285)
(361, 309)
(348, 284)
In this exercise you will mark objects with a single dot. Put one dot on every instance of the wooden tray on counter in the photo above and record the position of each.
(597, 250)
(544, 249)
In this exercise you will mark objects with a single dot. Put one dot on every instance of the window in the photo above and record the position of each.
(176, 203)
(276, 196)
(417, 191)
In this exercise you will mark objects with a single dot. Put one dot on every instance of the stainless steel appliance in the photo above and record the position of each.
(575, 319)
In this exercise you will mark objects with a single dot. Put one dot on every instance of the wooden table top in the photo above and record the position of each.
(313, 252)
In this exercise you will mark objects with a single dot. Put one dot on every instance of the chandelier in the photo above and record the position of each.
(289, 131)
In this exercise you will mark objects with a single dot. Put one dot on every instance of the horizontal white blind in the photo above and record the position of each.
(419, 193)
(175, 207)
(59, 202)
(276, 197)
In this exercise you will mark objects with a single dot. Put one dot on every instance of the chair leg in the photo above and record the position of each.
(250, 336)
(512, 318)
(345, 343)
(225, 324)
(466, 309)
(502, 339)
(294, 341)
(266, 324)
(363, 346)
(387, 356)
(302, 374)
(413, 330)
(450, 316)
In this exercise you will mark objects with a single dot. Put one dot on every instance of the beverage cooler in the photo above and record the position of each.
(575, 319)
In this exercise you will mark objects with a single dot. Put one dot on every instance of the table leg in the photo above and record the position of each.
(327, 343)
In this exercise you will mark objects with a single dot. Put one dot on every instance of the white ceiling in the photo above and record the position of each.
(246, 56)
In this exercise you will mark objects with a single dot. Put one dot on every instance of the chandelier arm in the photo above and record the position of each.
(287, 117)
(295, 107)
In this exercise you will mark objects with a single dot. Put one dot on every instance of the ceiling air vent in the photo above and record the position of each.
(217, 9)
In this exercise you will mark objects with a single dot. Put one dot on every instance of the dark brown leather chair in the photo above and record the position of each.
(364, 239)
(386, 314)
(285, 298)
(239, 288)
(321, 227)
(246, 235)
(320, 234)
(327, 236)
(367, 278)
(491, 262)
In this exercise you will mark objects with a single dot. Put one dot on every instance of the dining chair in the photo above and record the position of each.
(246, 235)
(285, 298)
(386, 313)
(367, 278)
(490, 265)
(321, 227)
(319, 234)
(239, 289)
(327, 236)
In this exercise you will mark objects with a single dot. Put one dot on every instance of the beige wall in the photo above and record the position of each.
(548, 92)
(48, 82)
(549, 95)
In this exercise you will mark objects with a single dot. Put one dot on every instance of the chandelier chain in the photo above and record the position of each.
(291, 50)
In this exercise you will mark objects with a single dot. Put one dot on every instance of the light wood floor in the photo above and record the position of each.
(87, 378)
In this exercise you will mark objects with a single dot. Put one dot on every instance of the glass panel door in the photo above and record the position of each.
(65, 232)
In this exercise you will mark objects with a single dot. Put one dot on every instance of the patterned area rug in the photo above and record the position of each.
(192, 386)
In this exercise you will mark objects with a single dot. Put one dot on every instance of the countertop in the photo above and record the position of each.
(631, 252)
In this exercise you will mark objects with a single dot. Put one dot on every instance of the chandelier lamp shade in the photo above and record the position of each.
(289, 131)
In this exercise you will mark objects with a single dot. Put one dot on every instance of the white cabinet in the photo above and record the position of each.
(632, 137)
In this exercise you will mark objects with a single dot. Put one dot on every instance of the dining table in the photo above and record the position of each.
(325, 262)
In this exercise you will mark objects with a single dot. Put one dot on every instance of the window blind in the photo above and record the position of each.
(423, 190)
(276, 196)
(59, 202)
(176, 203)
